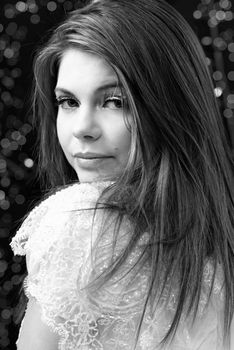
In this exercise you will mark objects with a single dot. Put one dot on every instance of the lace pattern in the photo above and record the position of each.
(58, 239)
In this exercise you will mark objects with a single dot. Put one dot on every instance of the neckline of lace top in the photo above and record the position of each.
(79, 195)
(73, 197)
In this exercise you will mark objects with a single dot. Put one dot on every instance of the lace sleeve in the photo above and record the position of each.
(20, 240)
(57, 238)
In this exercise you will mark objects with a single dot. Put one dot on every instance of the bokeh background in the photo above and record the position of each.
(24, 26)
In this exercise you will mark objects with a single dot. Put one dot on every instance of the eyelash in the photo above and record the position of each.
(60, 101)
(114, 98)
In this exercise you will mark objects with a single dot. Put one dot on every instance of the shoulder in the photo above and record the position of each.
(49, 212)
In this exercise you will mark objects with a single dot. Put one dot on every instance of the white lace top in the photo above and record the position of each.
(58, 238)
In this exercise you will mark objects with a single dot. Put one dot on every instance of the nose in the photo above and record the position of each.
(86, 126)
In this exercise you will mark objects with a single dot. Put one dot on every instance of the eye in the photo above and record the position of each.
(67, 102)
(113, 101)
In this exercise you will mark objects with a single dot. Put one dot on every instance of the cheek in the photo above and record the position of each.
(61, 131)
(121, 137)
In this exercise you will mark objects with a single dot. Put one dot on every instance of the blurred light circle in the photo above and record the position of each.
(212, 23)
(220, 43)
(221, 84)
(19, 199)
(231, 75)
(3, 234)
(197, 14)
(3, 164)
(16, 72)
(8, 53)
(2, 253)
(21, 33)
(206, 40)
(231, 57)
(17, 258)
(6, 314)
(208, 61)
(6, 98)
(7, 286)
(218, 91)
(5, 342)
(68, 5)
(3, 265)
(229, 16)
(28, 163)
(21, 6)
(8, 82)
(18, 103)
(22, 140)
(5, 204)
(225, 4)
(15, 135)
(220, 15)
(212, 13)
(15, 279)
(7, 218)
(14, 190)
(16, 45)
(5, 182)
(9, 12)
(3, 330)
(228, 113)
(35, 19)
(5, 143)
(227, 34)
(231, 47)
(14, 146)
(217, 75)
(230, 104)
(51, 6)
(11, 28)
(2, 195)
(16, 267)
(13, 61)
(17, 123)
(2, 44)
(230, 98)
(33, 8)
(26, 128)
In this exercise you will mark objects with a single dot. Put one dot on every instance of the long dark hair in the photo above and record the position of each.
(179, 177)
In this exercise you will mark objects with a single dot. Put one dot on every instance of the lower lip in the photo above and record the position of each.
(90, 163)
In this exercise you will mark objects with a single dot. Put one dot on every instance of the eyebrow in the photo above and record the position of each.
(105, 86)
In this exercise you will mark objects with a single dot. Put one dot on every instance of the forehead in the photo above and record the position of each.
(81, 69)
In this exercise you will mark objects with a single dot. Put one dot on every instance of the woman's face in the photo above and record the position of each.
(90, 121)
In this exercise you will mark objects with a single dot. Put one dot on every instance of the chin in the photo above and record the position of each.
(96, 177)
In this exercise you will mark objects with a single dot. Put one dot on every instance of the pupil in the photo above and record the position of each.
(118, 103)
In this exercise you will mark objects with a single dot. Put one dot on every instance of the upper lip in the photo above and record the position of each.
(91, 155)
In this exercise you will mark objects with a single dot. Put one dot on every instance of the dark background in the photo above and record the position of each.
(24, 25)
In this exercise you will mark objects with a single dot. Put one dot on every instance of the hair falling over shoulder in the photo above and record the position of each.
(178, 184)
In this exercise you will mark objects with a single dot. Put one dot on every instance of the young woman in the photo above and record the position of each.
(134, 249)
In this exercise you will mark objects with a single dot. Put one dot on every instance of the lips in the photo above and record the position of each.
(92, 161)
(91, 155)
